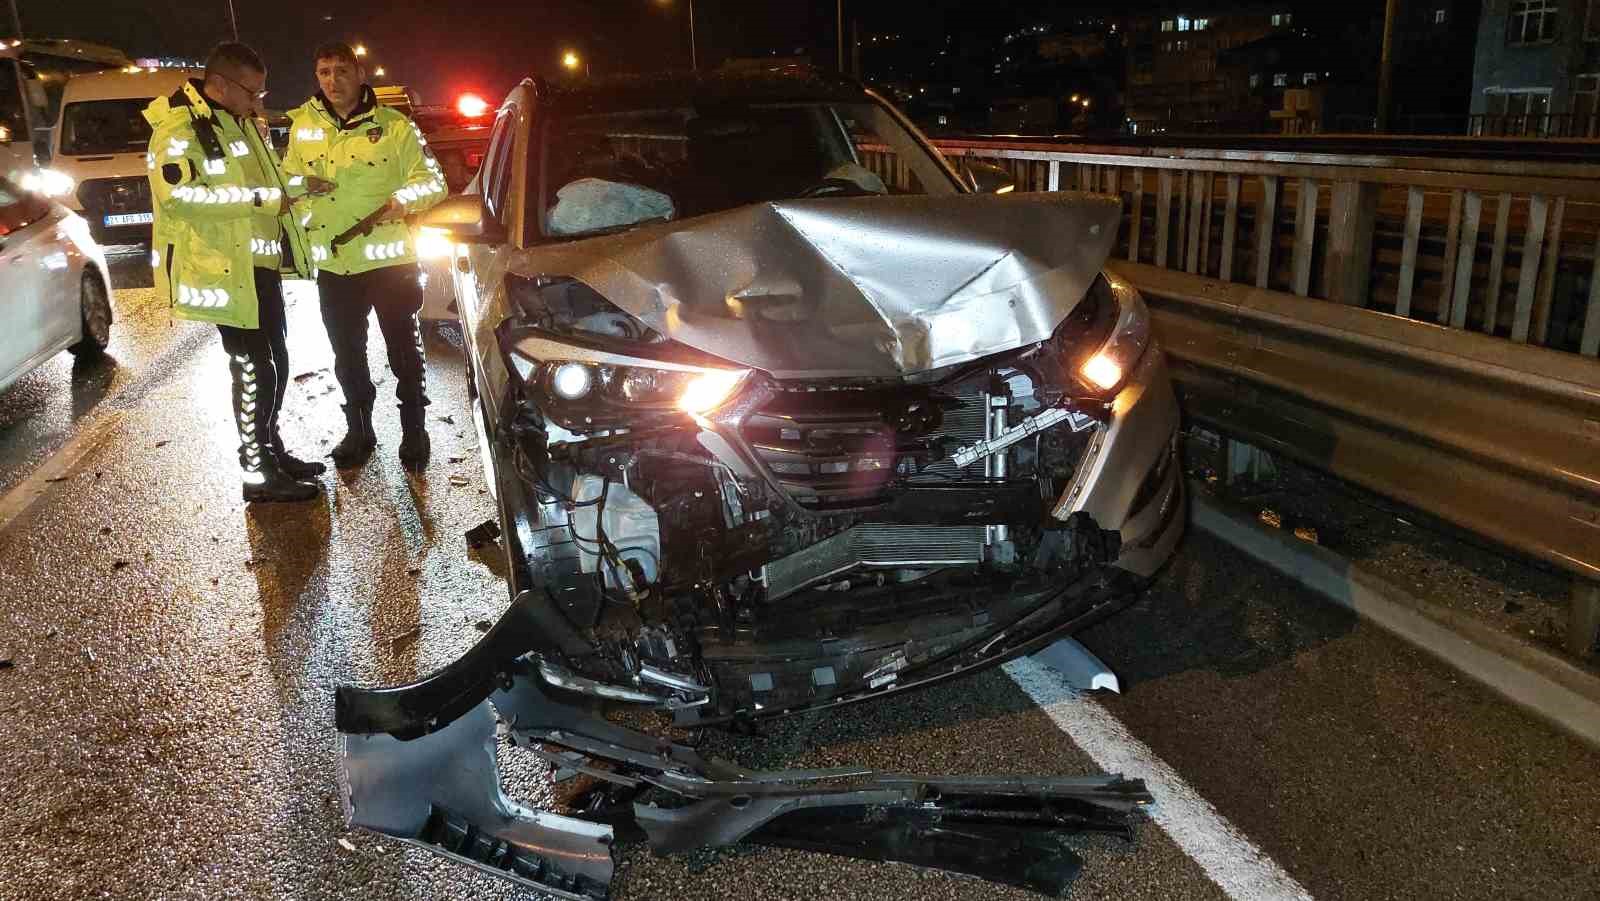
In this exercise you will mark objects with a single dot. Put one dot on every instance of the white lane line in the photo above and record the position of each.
(1232, 861)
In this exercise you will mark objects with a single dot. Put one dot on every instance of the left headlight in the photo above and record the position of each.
(49, 182)
(601, 387)
(1112, 334)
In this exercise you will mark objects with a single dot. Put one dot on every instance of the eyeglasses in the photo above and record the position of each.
(259, 95)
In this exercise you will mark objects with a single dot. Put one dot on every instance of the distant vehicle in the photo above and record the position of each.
(33, 76)
(100, 141)
(458, 136)
(397, 96)
(57, 295)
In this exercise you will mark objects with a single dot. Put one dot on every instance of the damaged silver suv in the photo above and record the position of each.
(779, 412)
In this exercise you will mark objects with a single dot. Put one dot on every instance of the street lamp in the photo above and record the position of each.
(379, 72)
(570, 60)
(359, 50)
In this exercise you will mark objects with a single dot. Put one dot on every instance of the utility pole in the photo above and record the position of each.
(1386, 69)
(694, 55)
(16, 21)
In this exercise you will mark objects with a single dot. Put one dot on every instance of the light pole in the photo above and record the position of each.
(232, 19)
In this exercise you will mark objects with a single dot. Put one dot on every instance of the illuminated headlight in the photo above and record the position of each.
(571, 381)
(433, 244)
(606, 387)
(1107, 367)
(48, 182)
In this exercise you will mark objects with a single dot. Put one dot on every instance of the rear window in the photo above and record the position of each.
(105, 126)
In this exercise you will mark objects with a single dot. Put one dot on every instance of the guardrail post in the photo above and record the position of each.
(1583, 621)
(1266, 228)
(1305, 235)
(1351, 224)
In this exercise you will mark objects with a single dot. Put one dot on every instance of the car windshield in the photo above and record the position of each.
(105, 126)
(613, 170)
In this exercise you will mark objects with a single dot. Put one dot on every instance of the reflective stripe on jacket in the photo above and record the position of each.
(216, 187)
(375, 155)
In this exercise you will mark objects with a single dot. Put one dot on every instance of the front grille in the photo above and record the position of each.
(847, 455)
(108, 196)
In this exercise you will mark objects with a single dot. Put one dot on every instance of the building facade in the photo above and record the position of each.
(1536, 69)
(1173, 77)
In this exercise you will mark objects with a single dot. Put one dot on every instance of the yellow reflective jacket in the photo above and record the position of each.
(374, 155)
(217, 188)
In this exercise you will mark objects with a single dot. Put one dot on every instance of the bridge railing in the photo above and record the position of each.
(1425, 327)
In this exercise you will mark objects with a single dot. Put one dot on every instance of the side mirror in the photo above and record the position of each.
(987, 178)
(464, 220)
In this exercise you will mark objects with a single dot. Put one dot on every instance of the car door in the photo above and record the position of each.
(31, 258)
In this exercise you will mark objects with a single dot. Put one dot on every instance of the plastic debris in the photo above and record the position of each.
(345, 844)
(1306, 533)
(485, 533)
(1271, 518)
(5, 663)
(459, 481)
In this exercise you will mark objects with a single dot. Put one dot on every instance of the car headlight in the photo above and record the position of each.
(582, 384)
(49, 182)
(1105, 337)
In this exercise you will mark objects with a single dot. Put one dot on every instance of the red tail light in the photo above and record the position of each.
(471, 105)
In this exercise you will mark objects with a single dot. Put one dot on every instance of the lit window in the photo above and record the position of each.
(1280, 80)
(1255, 80)
(1440, 16)
(1279, 20)
(1308, 78)
(1202, 24)
(1183, 23)
(1166, 25)
(1532, 21)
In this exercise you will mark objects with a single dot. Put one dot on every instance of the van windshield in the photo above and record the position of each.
(105, 126)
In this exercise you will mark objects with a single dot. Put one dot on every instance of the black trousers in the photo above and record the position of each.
(258, 360)
(395, 295)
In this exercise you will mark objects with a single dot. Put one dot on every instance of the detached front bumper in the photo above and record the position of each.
(442, 792)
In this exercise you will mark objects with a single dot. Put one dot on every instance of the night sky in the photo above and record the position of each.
(441, 48)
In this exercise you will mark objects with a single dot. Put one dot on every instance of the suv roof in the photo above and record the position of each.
(129, 83)
(731, 84)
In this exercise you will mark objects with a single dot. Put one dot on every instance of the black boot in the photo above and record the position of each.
(415, 448)
(270, 484)
(264, 480)
(359, 440)
(291, 465)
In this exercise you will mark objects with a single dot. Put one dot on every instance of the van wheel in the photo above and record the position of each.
(95, 308)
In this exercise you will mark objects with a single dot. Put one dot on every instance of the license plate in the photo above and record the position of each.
(130, 219)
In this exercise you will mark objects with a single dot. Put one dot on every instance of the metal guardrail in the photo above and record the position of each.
(1381, 332)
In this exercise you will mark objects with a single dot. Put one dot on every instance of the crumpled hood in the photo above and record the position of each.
(861, 286)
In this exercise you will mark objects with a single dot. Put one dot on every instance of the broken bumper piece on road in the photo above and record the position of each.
(442, 791)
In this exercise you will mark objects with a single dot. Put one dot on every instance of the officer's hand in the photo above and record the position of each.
(392, 211)
(315, 185)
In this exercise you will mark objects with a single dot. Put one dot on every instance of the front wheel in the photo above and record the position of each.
(95, 310)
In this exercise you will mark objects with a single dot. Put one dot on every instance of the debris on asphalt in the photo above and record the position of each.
(454, 460)
(307, 376)
(105, 530)
(120, 565)
(408, 637)
(5, 663)
(57, 479)
(448, 420)
(88, 654)
(483, 625)
(485, 533)
(1271, 518)
(1306, 533)
(414, 571)
(345, 844)
(459, 481)
(163, 443)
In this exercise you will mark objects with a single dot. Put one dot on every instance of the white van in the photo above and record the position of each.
(100, 141)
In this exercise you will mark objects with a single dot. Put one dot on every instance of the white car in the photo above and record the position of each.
(54, 291)
(100, 142)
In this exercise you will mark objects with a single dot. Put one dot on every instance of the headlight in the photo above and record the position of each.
(1106, 336)
(48, 182)
(583, 386)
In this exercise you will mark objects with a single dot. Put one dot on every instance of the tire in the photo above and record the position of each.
(95, 313)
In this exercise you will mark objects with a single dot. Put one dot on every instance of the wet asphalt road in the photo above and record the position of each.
(166, 725)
